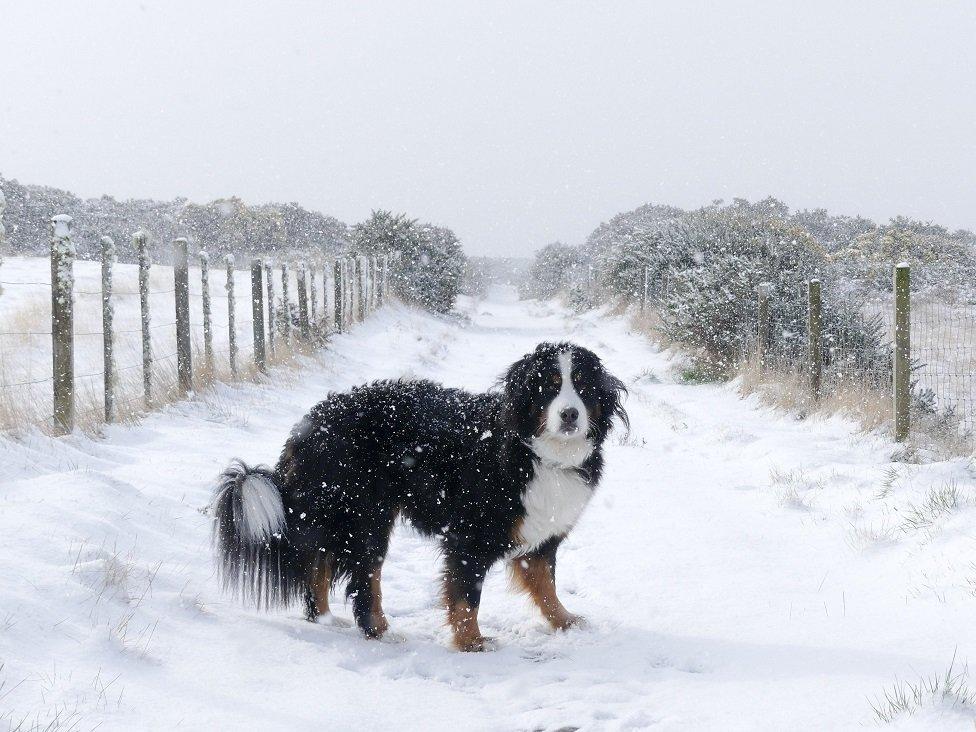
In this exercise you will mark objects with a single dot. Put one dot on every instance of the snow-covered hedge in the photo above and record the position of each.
(706, 266)
(223, 226)
(428, 263)
(556, 268)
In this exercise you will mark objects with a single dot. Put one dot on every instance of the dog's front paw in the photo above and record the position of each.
(478, 644)
(569, 620)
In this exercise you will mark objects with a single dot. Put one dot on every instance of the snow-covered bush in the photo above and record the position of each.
(943, 262)
(555, 267)
(223, 226)
(427, 264)
(718, 258)
(706, 266)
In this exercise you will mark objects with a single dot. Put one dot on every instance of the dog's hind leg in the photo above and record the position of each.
(364, 583)
(319, 585)
(464, 576)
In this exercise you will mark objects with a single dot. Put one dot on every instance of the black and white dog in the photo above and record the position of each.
(499, 475)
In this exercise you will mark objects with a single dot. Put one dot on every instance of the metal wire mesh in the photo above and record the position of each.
(858, 345)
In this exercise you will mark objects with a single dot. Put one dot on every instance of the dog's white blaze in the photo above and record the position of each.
(567, 397)
(263, 513)
(553, 500)
(553, 445)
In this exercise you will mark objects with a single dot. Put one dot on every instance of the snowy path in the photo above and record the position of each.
(718, 596)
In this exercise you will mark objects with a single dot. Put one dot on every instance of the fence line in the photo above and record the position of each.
(930, 369)
(163, 352)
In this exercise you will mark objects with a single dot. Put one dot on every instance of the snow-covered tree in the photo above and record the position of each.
(428, 263)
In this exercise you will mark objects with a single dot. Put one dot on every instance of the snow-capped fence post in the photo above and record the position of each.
(367, 286)
(301, 275)
(108, 312)
(363, 287)
(313, 299)
(901, 375)
(62, 323)
(141, 240)
(386, 278)
(351, 290)
(762, 333)
(257, 314)
(376, 281)
(347, 286)
(181, 286)
(208, 353)
(269, 277)
(380, 270)
(326, 316)
(814, 327)
(231, 325)
(338, 295)
(285, 305)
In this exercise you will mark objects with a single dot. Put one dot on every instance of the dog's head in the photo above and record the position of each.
(561, 401)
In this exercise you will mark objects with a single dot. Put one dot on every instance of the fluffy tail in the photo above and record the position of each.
(254, 558)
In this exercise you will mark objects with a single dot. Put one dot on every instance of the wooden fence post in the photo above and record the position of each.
(327, 317)
(363, 286)
(346, 303)
(62, 323)
(302, 278)
(351, 268)
(269, 278)
(379, 281)
(367, 286)
(338, 294)
(257, 314)
(903, 352)
(313, 299)
(208, 352)
(762, 334)
(141, 241)
(814, 328)
(108, 312)
(181, 285)
(231, 324)
(351, 290)
(285, 305)
(374, 279)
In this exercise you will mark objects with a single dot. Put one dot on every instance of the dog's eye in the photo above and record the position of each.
(557, 379)
(576, 376)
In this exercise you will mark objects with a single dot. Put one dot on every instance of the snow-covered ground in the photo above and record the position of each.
(740, 570)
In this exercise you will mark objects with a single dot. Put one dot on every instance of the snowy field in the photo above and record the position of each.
(739, 570)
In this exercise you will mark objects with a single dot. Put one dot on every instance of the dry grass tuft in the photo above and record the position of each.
(945, 692)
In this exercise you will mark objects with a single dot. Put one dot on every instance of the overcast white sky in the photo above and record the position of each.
(513, 123)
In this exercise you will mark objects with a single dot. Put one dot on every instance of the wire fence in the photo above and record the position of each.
(859, 353)
(237, 322)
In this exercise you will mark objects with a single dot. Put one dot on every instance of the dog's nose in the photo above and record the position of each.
(569, 415)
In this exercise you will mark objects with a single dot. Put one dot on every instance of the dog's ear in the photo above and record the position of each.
(516, 384)
(612, 395)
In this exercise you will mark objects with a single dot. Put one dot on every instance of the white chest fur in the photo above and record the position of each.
(553, 501)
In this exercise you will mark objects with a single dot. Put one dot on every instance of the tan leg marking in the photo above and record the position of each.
(533, 575)
(463, 619)
(376, 616)
(322, 582)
